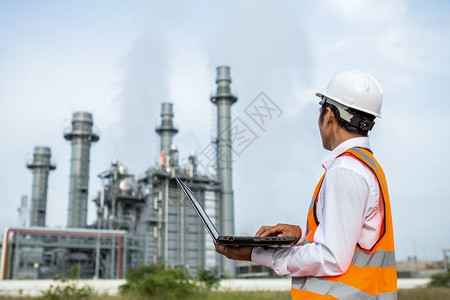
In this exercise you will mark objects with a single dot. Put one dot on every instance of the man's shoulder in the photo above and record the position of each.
(350, 163)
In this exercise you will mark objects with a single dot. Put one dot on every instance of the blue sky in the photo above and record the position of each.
(120, 60)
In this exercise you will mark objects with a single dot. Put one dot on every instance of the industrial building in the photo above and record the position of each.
(139, 220)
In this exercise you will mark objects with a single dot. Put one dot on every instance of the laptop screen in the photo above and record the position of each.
(211, 228)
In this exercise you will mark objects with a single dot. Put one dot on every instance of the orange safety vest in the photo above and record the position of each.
(372, 273)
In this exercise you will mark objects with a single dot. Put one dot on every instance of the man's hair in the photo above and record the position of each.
(344, 124)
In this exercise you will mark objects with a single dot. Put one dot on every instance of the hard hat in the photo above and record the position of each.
(357, 90)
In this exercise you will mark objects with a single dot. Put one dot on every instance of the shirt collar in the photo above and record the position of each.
(345, 145)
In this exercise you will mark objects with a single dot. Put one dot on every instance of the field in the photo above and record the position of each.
(407, 294)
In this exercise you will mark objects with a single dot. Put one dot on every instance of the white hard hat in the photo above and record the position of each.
(357, 90)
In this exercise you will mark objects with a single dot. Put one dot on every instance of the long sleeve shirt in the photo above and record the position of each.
(349, 211)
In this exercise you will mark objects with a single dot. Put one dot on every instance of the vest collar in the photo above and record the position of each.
(362, 142)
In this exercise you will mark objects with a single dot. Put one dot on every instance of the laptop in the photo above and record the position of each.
(231, 241)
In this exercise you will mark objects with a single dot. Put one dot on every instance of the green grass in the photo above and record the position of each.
(434, 293)
(247, 295)
(431, 293)
(253, 295)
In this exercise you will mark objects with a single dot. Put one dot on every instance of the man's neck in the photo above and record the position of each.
(341, 136)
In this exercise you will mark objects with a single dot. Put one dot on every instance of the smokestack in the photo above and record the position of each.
(223, 100)
(81, 136)
(167, 130)
(41, 166)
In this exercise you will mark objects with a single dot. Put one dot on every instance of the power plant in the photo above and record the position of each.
(139, 220)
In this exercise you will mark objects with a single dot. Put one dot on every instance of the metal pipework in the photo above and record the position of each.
(81, 136)
(173, 156)
(192, 165)
(40, 166)
(167, 129)
(223, 100)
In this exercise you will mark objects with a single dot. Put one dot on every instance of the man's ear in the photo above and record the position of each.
(329, 116)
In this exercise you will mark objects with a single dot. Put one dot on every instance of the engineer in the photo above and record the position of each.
(346, 250)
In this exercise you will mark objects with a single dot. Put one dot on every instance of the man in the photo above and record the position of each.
(346, 250)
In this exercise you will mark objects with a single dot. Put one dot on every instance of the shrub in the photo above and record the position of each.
(156, 281)
(67, 290)
(440, 279)
(74, 272)
(209, 278)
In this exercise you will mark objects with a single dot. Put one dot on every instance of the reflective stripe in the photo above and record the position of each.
(366, 157)
(379, 258)
(339, 290)
(312, 202)
(387, 296)
(310, 207)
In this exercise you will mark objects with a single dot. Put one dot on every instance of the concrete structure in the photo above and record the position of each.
(41, 166)
(81, 135)
(223, 99)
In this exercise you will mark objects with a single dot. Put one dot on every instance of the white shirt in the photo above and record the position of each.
(349, 211)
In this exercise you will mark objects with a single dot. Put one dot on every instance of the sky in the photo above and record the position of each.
(120, 60)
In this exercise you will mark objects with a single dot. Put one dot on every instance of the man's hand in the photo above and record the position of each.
(239, 253)
(280, 230)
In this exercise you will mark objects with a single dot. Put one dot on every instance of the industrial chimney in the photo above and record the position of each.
(41, 166)
(223, 100)
(167, 130)
(81, 136)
